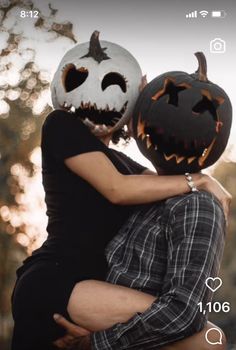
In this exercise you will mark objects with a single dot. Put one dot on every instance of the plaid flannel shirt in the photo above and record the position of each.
(167, 249)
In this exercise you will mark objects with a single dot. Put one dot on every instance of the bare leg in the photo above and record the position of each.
(198, 341)
(97, 305)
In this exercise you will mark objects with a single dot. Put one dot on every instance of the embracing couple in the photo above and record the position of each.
(128, 250)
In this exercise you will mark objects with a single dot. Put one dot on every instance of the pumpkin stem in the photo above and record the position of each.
(202, 68)
(95, 49)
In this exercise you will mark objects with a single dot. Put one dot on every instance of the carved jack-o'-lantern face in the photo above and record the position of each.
(99, 81)
(181, 122)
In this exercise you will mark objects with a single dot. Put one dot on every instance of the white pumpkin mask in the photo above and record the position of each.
(99, 81)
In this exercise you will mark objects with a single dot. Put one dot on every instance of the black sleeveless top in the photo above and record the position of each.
(80, 220)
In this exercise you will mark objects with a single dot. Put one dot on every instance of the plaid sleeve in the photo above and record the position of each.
(195, 235)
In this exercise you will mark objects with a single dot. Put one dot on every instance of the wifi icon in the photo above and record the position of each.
(203, 13)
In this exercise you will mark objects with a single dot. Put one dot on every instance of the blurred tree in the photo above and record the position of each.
(22, 87)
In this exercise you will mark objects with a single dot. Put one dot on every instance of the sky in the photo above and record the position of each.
(156, 32)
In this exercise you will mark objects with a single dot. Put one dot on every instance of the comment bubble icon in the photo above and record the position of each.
(213, 336)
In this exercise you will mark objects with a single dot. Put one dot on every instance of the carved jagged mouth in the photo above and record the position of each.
(90, 113)
(170, 147)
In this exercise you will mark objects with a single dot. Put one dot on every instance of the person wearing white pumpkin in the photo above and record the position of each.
(90, 191)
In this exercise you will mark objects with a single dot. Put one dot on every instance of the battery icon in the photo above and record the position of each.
(218, 14)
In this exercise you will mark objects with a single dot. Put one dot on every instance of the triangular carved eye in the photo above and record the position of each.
(73, 78)
(208, 103)
(205, 105)
(172, 91)
(114, 79)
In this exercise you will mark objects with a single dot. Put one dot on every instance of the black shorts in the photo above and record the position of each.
(42, 289)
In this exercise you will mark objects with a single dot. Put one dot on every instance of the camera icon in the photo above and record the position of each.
(217, 45)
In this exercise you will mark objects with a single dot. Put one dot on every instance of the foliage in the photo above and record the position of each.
(23, 87)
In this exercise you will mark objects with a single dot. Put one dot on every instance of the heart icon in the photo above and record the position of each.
(211, 282)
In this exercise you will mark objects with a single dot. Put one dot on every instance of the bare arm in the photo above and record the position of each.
(98, 170)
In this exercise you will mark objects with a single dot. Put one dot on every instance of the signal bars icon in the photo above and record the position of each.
(194, 14)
